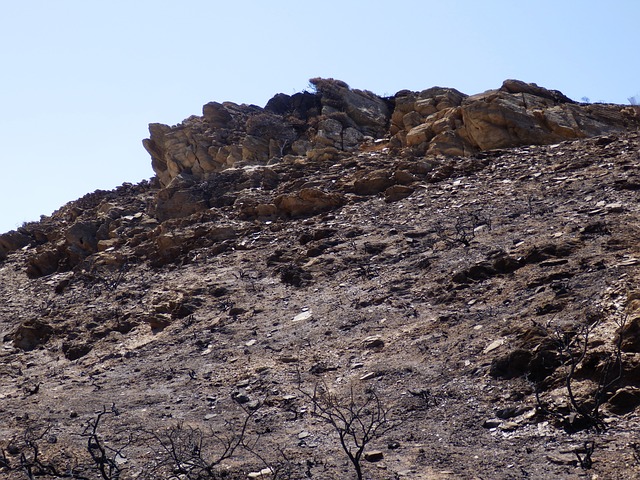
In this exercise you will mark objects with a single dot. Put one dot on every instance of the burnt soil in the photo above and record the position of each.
(462, 306)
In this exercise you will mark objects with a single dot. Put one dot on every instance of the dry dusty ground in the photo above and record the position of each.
(424, 300)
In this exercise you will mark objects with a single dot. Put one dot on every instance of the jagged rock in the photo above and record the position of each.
(75, 350)
(373, 342)
(81, 241)
(196, 146)
(11, 241)
(45, 261)
(374, 182)
(624, 400)
(369, 113)
(397, 192)
(226, 133)
(631, 335)
(31, 333)
(181, 198)
(512, 365)
(252, 208)
(217, 115)
(303, 105)
(325, 154)
(374, 456)
(308, 201)
(518, 86)
(336, 118)
(170, 243)
(157, 321)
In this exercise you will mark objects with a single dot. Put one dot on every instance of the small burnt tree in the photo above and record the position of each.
(357, 418)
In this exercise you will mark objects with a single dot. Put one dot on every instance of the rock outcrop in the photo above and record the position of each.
(335, 118)
(251, 160)
(445, 121)
(226, 135)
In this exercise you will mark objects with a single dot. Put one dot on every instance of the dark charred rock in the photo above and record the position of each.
(31, 334)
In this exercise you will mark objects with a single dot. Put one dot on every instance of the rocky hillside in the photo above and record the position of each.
(336, 119)
(456, 276)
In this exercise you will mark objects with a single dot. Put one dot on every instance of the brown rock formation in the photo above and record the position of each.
(336, 118)
(444, 121)
(203, 163)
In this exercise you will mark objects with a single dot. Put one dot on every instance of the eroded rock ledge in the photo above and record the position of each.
(335, 119)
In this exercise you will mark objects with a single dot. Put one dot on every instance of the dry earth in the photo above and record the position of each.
(463, 305)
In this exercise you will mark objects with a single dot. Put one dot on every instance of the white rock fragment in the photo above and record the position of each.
(304, 316)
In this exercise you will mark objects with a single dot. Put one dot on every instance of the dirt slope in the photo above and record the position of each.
(463, 304)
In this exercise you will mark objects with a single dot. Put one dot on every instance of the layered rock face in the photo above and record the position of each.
(335, 119)
(445, 121)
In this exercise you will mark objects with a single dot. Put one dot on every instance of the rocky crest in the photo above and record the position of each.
(338, 240)
(336, 119)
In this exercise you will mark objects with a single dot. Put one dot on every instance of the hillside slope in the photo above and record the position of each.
(468, 293)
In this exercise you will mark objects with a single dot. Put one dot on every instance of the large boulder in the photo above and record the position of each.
(181, 198)
(30, 334)
(308, 201)
(81, 241)
(369, 113)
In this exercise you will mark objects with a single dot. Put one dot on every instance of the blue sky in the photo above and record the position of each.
(81, 79)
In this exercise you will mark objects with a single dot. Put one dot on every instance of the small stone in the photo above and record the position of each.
(493, 345)
(509, 412)
(508, 426)
(304, 316)
(491, 423)
(372, 342)
(235, 311)
(13, 449)
(625, 400)
(562, 459)
(374, 456)
(240, 397)
(288, 359)
(628, 262)
(261, 473)
(303, 434)
(614, 207)
(158, 321)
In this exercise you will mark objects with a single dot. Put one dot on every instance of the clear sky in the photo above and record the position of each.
(81, 79)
